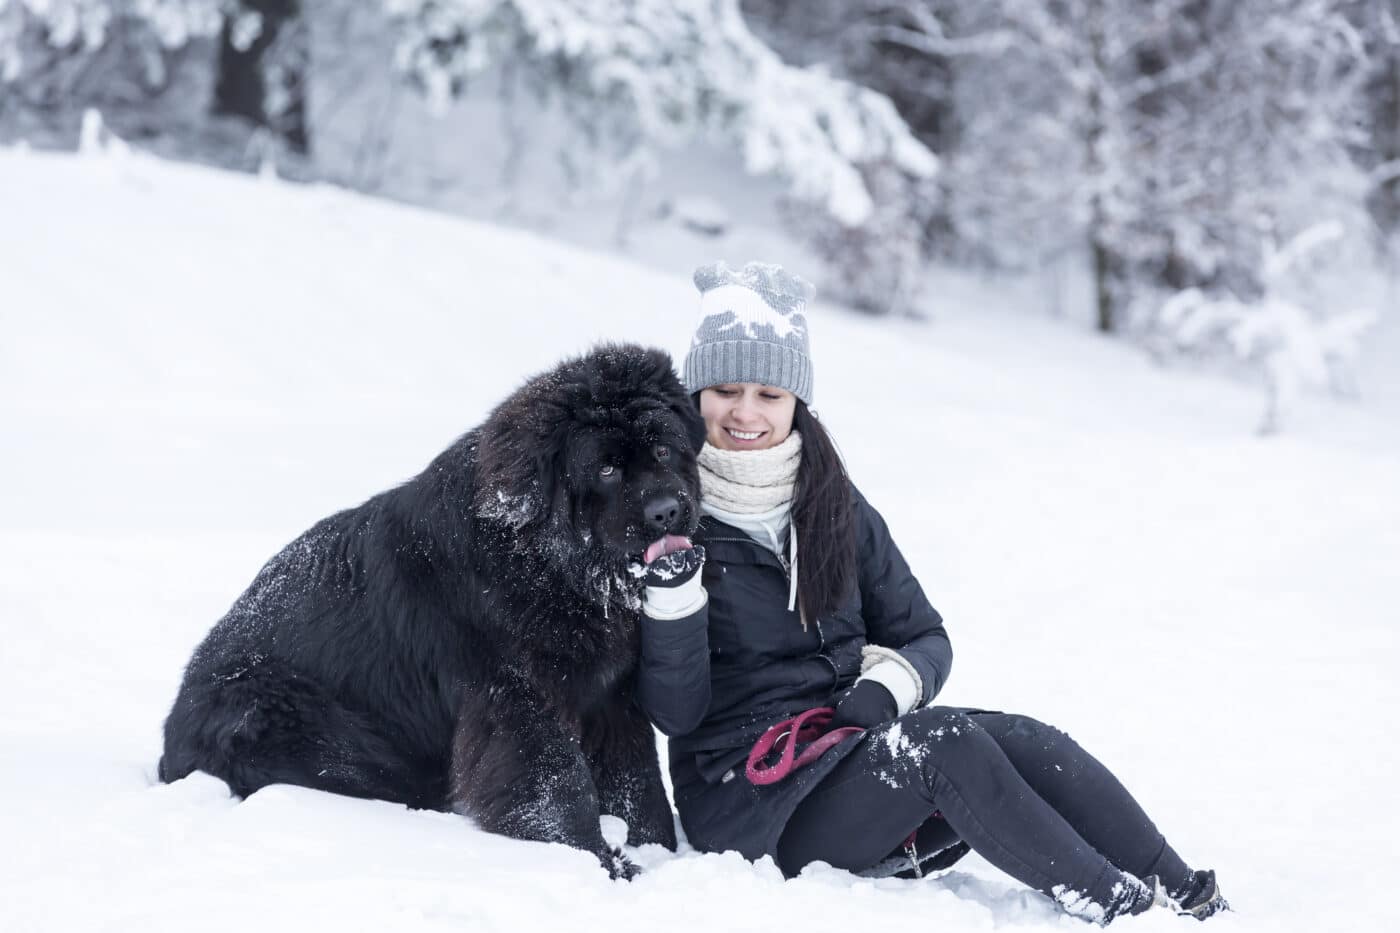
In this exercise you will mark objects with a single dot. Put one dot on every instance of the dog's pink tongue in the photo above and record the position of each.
(663, 546)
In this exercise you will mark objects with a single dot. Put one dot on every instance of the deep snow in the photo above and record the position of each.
(196, 366)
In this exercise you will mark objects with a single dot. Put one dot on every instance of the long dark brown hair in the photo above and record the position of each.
(823, 520)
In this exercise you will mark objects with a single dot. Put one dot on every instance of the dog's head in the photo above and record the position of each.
(594, 462)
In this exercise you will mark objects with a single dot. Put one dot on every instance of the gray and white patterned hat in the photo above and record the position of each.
(753, 328)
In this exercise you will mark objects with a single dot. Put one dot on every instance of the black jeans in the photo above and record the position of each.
(1022, 794)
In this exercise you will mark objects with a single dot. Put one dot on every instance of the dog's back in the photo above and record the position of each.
(323, 674)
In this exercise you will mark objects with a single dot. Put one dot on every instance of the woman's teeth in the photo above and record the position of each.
(744, 435)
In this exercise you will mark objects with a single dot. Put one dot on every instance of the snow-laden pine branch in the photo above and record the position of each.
(659, 74)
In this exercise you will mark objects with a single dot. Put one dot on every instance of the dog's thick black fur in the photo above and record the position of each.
(468, 640)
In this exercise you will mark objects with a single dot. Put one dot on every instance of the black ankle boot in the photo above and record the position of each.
(1135, 897)
(1203, 899)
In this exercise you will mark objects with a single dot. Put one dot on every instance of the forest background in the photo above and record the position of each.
(1217, 182)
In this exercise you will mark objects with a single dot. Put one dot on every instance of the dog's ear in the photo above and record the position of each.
(514, 484)
(510, 496)
(687, 407)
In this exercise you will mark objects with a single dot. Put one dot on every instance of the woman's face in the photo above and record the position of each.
(746, 415)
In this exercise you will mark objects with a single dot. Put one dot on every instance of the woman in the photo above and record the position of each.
(803, 601)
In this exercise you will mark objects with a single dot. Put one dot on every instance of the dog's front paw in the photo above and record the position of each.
(618, 865)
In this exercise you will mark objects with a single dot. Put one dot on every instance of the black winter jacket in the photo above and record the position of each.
(715, 680)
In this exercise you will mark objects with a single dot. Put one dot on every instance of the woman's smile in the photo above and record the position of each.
(747, 415)
(745, 437)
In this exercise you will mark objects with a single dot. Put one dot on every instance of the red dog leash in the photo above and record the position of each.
(809, 727)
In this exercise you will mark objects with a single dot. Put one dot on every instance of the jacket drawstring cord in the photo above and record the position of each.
(792, 571)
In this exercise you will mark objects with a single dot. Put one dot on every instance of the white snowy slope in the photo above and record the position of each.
(196, 366)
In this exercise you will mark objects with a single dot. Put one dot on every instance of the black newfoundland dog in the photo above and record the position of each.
(467, 641)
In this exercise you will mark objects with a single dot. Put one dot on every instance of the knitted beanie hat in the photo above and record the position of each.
(752, 329)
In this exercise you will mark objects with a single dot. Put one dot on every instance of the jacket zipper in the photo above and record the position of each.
(821, 635)
(754, 543)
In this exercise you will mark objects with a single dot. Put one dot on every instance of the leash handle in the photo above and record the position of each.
(809, 727)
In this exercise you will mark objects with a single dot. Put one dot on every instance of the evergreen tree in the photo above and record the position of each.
(262, 68)
(1378, 22)
(47, 46)
(1181, 139)
(906, 52)
(639, 77)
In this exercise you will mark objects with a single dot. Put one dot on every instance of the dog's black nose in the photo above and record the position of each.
(660, 513)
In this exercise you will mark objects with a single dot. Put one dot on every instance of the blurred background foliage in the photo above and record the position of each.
(1202, 165)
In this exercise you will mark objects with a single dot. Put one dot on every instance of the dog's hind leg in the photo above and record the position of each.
(620, 746)
(261, 723)
(519, 772)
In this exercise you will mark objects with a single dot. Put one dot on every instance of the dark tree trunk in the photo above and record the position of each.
(279, 54)
(1103, 288)
(1387, 207)
(1095, 130)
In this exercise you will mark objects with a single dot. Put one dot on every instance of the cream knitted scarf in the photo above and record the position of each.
(755, 483)
(750, 481)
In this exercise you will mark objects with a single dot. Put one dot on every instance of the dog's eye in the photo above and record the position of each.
(607, 471)
(662, 452)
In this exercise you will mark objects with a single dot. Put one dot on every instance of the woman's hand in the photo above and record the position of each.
(671, 584)
(867, 704)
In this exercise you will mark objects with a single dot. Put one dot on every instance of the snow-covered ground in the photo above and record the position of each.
(195, 366)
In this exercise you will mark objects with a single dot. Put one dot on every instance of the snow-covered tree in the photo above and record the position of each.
(59, 57)
(637, 78)
(48, 44)
(1287, 333)
(1053, 151)
(1378, 22)
(1173, 138)
(262, 68)
(1266, 132)
(876, 266)
(907, 51)
(904, 50)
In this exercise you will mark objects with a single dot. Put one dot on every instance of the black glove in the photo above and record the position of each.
(672, 583)
(867, 704)
(674, 569)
